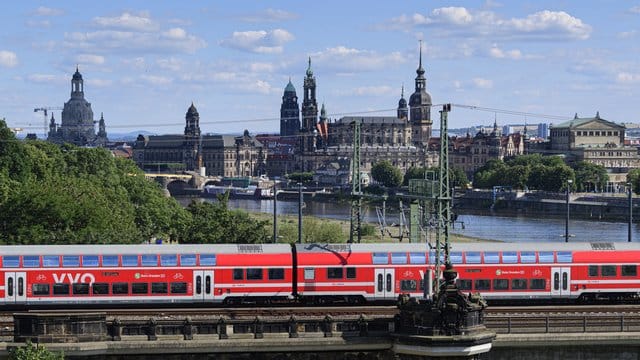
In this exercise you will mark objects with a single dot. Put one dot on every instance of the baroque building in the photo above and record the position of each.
(77, 126)
(289, 112)
(211, 154)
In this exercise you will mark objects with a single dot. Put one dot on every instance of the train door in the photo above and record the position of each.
(15, 287)
(203, 285)
(384, 282)
(560, 279)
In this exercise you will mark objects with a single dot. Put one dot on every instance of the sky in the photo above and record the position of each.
(145, 62)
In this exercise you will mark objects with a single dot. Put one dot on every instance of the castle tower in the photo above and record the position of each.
(420, 109)
(309, 112)
(289, 112)
(191, 146)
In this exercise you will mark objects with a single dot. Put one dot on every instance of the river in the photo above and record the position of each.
(480, 225)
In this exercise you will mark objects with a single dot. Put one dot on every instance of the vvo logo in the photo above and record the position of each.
(74, 278)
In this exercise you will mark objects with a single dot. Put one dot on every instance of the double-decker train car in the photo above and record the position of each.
(312, 273)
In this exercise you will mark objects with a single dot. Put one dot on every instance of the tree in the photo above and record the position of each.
(31, 352)
(590, 176)
(633, 177)
(386, 174)
(300, 177)
(414, 173)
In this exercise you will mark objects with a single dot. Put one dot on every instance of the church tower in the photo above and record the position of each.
(420, 109)
(289, 112)
(101, 138)
(77, 117)
(309, 112)
(192, 139)
(403, 110)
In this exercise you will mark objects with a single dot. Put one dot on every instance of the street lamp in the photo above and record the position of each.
(566, 223)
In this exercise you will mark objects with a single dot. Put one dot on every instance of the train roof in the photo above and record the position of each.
(145, 249)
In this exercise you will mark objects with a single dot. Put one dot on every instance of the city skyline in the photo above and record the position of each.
(145, 62)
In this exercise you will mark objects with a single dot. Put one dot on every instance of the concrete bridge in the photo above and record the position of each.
(189, 182)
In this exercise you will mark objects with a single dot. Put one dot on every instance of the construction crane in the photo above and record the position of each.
(45, 110)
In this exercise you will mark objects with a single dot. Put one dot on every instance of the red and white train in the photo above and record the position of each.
(313, 273)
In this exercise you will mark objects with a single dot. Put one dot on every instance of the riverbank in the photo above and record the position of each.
(374, 235)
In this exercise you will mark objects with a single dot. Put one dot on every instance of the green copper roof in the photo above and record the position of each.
(290, 87)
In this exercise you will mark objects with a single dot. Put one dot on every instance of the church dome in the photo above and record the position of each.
(192, 110)
(290, 87)
(77, 75)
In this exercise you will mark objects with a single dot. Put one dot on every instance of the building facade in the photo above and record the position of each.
(77, 124)
(215, 155)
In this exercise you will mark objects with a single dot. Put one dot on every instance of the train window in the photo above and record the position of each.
(608, 270)
(149, 260)
(399, 258)
(158, 288)
(207, 260)
(31, 261)
(518, 284)
(169, 260)
(417, 258)
(564, 256)
(388, 283)
(309, 274)
(238, 274)
(51, 261)
(482, 284)
(500, 284)
(491, 257)
(40, 289)
(509, 257)
(70, 260)
(130, 260)
(11, 261)
(593, 270)
(351, 273)
(254, 274)
(408, 285)
(109, 260)
(334, 273)
(276, 274)
(140, 288)
(80, 289)
(90, 260)
(472, 257)
(10, 286)
(100, 288)
(187, 260)
(538, 284)
(178, 287)
(629, 270)
(380, 258)
(380, 283)
(545, 256)
(463, 284)
(456, 257)
(527, 257)
(60, 289)
(120, 288)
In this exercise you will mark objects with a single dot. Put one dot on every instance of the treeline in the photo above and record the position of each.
(52, 194)
(537, 172)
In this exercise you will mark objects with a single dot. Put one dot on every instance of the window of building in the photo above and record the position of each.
(509, 257)
(482, 284)
(159, 288)
(500, 284)
(608, 270)
(60, 289)
(351, 273)
(40, 289)
(109, 260)
(254, 274)
(417, 258)
(121, 288)
(491, 257)
(149, 260)
(518, 284)
(238, 274)
(169, 260)
(545, 256)
(130, 260)
(398, 258)
(100, 288)
(178, 287)
(334, 273)
(207, 259)
(80, 289)
(31, 261)
(90, 261)
(593, 270)
(472, 257)
(50, 261)
(140, 288)
(187, 260)
(538, 284)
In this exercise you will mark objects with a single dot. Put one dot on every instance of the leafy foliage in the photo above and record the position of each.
(590, 177)
(386, 174)
(31, 352)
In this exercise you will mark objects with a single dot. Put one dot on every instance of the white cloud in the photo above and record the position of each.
(483, 83)
(627, 78)
(39, 23)
(156, 80)
(262, 67)
(109, 41)
(261, 41)
(627, 34)
(8, 58)
(45, 11)
(172, 64)
(90, 59)
(635, 9)
(344, 59)
(175, 34)
(269, 15)
(498, 53)
(42, 78)
(382, 90)
(459, 21)
(99, 82)
(127, 21)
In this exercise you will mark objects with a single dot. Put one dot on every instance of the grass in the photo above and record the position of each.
(375, 236)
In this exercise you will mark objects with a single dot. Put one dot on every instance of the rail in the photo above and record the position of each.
(562, 323)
